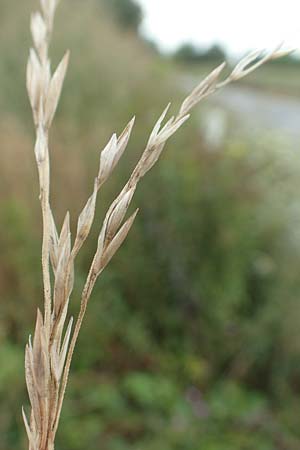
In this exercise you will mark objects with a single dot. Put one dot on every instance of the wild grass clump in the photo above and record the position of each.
(48, 356)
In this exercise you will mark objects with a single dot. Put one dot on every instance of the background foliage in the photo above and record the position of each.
(127, 13)
(192, 340)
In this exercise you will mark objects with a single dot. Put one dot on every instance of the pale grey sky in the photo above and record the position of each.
(239, 25)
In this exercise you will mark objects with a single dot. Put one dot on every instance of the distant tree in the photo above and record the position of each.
(189, 53)
(214, 53)
(127, 13)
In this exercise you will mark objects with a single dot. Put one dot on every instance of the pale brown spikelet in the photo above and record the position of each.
(64, 349)
(34, 77)
(157, 127)
(38, 31)
(170, 129)
(123, 140)
(40, 359)
(117, 215)
(48, 359)
(105, 256)
(53, 244)
(107, 158)
(246, 62)
(64, 234)
(208, 83)
(54, 90)
(86, 219)
(60, 277)
(54, 362)
(112, 153)
(254, 60)
(32, 387)
(48, 8)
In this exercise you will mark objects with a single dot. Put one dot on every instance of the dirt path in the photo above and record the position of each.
(262, 111)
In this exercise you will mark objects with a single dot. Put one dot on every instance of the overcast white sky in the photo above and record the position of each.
(239, 25)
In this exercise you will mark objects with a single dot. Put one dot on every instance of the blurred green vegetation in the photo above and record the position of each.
(190, 54)
(127, 13)
(192, 340)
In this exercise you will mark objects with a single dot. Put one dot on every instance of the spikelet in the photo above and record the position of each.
(117, 215)
(54, 90)
(157, 127)
(39, 32)
(34, 80)
(204, 87)
(53, 242)
(123, 140)
(114, 245)
(60, 277)
(170, 129)
(86, 219)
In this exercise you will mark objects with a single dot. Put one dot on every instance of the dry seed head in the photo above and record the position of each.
(101, 260)
(60, 276)
(256, 59)
(123, 140)
(54, 361)
(32, 387)
(41, 363)
(238, 71)
(116, 217)
(100, 244)
(38, 30)
(58, 355)
(53, 242)
(167, 125)
(63, 249)
(107, 159)
(46, 4)
(282, 53)
(170, 129)
(279, 52)
(147, 161)
(156, 143)
(112, 153)
(54, 90)
(70, 280)
(41, 112)
(64, 234)
(34, 78)
(157, 127)
(47, 362)
(46, 77)
(64, 349)
(49, 7)
(203, 88)
(86, 218)
(58, 326)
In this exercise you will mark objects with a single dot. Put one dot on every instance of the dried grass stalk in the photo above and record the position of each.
(48, 357)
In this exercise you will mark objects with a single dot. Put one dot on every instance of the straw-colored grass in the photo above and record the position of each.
(48, 357)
